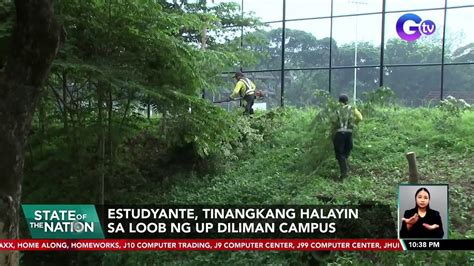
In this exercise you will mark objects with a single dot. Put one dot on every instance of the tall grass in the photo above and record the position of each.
(295, 165)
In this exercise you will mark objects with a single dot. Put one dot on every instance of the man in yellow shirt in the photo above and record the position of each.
(347, 118)
(244, 88)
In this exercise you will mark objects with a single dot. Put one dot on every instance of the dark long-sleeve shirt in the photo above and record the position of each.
(418, 230)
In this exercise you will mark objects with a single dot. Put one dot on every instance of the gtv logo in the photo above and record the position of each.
(426, 27)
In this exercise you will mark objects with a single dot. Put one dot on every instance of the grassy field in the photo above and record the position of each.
(286, 168)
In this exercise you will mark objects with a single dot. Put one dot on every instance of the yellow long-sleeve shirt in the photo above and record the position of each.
(358, 115)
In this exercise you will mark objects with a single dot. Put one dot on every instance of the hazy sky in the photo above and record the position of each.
(460, 30)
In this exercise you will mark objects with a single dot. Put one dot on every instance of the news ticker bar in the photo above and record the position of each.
(232, 244)
(200, 244)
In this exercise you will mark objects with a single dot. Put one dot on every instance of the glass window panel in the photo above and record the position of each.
(307, 9)
(347, 7)
(342, 81)
(460, 2)
(458, 80)
(307, 43)
(426, 49)
(301, 85)
(396, 5)
(363, 30)
(266, 10)
(266, 45)
(270, 84)
(459, 35)
(413, 86)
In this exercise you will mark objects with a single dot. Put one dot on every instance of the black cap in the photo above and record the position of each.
(343, 98)
(238, 74)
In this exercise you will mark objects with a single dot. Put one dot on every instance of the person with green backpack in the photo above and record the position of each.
(347, 118)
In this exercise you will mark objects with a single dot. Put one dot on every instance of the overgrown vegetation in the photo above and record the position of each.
(272, 176)
(123, 104)
(285, 157)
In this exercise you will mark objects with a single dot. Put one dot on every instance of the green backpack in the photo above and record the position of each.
(345, 118)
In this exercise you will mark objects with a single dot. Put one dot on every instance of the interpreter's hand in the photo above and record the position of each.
(412, 220)
(431, 227)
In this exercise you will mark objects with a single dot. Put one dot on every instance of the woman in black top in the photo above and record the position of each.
(421, 221)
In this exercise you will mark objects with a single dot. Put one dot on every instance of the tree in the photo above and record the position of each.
(302, 50)
(122, 60)
(34, 43)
